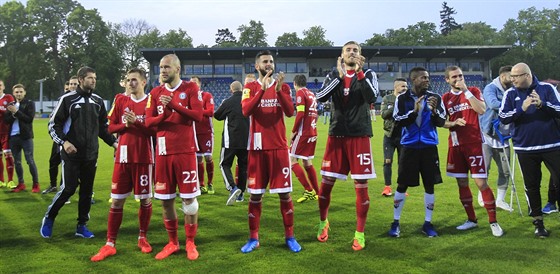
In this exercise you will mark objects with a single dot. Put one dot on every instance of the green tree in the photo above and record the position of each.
(128, 35)
(176, 39)
(91, 44)
(470, 34)
(315, 37)
(288, 39)
(448, 23)
(225, 39)
(534, 36)
(419, 34)
(21, 59)
(252, 35)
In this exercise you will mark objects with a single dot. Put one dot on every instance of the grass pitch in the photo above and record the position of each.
(223, 230)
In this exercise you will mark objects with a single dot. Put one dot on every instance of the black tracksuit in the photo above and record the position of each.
(79, 118)
(234, 140)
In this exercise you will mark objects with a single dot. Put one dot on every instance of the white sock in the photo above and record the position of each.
(399, 204)
(429, 200)
(501, 194)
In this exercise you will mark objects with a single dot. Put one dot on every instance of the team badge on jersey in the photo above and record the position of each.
(200, 95)
(182, 95)
(246, 94)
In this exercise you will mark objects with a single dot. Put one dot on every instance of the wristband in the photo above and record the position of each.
(468, 94)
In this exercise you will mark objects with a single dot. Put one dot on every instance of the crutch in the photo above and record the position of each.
(511, 167)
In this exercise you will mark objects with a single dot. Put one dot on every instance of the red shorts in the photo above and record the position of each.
(303, 147)
(205, 144)
(4, 143)
(176, 170)
(466, 157)
(348, 154)
(266, 166)
(127, 177)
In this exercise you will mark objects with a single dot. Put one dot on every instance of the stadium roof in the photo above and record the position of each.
(428, 52)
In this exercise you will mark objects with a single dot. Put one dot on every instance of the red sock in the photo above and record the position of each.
(114, 223)
(201, 173)
(236, 174)
(312, 175)
(255, 209)
(10, 167)
(1, 169)
(171, 227)
(489, 204)
(210, 171)
(465, 196)
(287, 210)
(362, 205)
(144, 216)
(300, 174)
(325, 197)
(190, 231)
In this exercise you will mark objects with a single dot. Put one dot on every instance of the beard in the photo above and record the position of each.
(263, 72)
(170, 79)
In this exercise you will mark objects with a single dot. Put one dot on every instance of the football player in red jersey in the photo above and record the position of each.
(133, 162)
(304, 139)
(351, 90)
(463, 105)
(173, 108)
(265, 102)
(5, 100)
(205, 139)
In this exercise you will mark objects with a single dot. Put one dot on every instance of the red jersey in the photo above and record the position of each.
(174, 123)
(135, 141)
(458, 106)
(5, 99)
(306, 118)
(205, 126)
(266, 110)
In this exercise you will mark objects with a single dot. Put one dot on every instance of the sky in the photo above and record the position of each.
(343, 20)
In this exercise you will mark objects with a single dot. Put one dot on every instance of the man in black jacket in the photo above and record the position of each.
(21, 136)
(79, 118)
(352, 90)
(234, 142)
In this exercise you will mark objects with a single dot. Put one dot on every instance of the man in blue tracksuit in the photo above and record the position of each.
(534, 109)
(418, 111)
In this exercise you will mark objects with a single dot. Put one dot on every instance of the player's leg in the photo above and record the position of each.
(166, 191)
(257, 181)
(86, 179)
(362, 208)
(302, 178)
(311, 174)
(190, 209)
(16, 148)
(70, 173)
(408, 170)
(287, 210)
(466, 198)
(431, 175)
(200, 171)
(10, 168)
(28, 149)
(388, 154)
(335, 165)
(189, 190)
(54, 162)
(242, 172)
(114, 221)
(209, 172)
(142, 184)
(255, 211)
